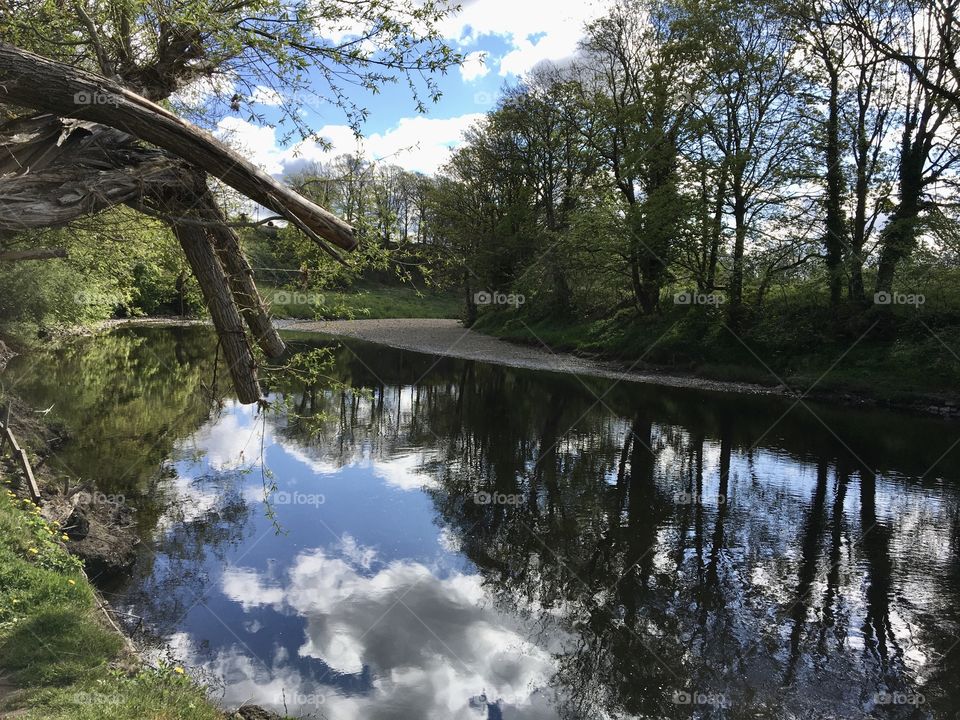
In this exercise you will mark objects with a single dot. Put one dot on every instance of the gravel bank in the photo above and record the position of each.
(448, 337)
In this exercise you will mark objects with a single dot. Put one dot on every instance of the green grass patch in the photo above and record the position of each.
(363, 302)
(58, 651)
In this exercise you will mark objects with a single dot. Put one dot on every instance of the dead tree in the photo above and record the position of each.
(96, 145)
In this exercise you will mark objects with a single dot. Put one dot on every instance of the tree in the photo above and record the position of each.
(146, 50)
(753, 119)
(635, 82)
(928, 150)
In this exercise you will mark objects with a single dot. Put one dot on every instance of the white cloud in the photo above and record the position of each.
(537, 29)
(434, 664)
(403, 472)
(264, 95)
(416, 143)
(257, 144)
(474, 66)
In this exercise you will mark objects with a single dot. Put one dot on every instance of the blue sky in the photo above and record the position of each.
(502, 39)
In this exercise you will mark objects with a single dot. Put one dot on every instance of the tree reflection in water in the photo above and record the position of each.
(679, 552)
(695, 546)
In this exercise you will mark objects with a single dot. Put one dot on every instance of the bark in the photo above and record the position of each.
(899, 237)
(244, 289)
(45, 85)
(716, 231)
(53, 172)
(836, 226)
(739, 243)
(213, 282)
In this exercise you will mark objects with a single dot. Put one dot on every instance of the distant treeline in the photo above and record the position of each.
(698, 153)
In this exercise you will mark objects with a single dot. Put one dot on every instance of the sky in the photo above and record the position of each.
(502, 40)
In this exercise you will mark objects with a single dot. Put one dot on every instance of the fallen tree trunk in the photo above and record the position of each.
(94, 167)
(87, 157)
(181, 201)
(54, 171)
(36, 82)
(245, 293)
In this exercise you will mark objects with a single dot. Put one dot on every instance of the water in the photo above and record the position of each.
(461, 540)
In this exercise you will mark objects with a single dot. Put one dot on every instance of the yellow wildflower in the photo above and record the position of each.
(178, 670)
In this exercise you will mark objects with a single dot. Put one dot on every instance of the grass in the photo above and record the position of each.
(55, 647)
(890, 358)
(365, 302)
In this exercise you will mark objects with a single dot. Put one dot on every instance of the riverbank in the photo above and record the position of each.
(60, 658)
(528, 347)
(915, 375)
(451, 339)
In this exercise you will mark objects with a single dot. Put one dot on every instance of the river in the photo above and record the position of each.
(427, 537)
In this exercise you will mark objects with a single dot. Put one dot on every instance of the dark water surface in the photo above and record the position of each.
(462, 540)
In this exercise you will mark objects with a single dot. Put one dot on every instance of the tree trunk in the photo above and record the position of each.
(244, 289)
(736, 270)
(716, 234)
(836, 226)
(36, 82)
(899, 237)
(213, 282)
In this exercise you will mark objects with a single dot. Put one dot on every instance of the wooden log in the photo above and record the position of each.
(91, 168)
(3, 429)
(28, 472)
(20, 455)
(37, 82)
(216, 291)
(245, 293)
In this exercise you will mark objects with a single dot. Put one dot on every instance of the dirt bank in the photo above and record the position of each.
(450, 338)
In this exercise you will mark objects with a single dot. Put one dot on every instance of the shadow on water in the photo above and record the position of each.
(467, 540)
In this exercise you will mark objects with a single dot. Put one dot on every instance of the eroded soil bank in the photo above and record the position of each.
(450, 338)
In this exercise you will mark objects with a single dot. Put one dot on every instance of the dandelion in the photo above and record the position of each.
(178, 670)
(64, 537)
(72, 582)
(32, 551)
